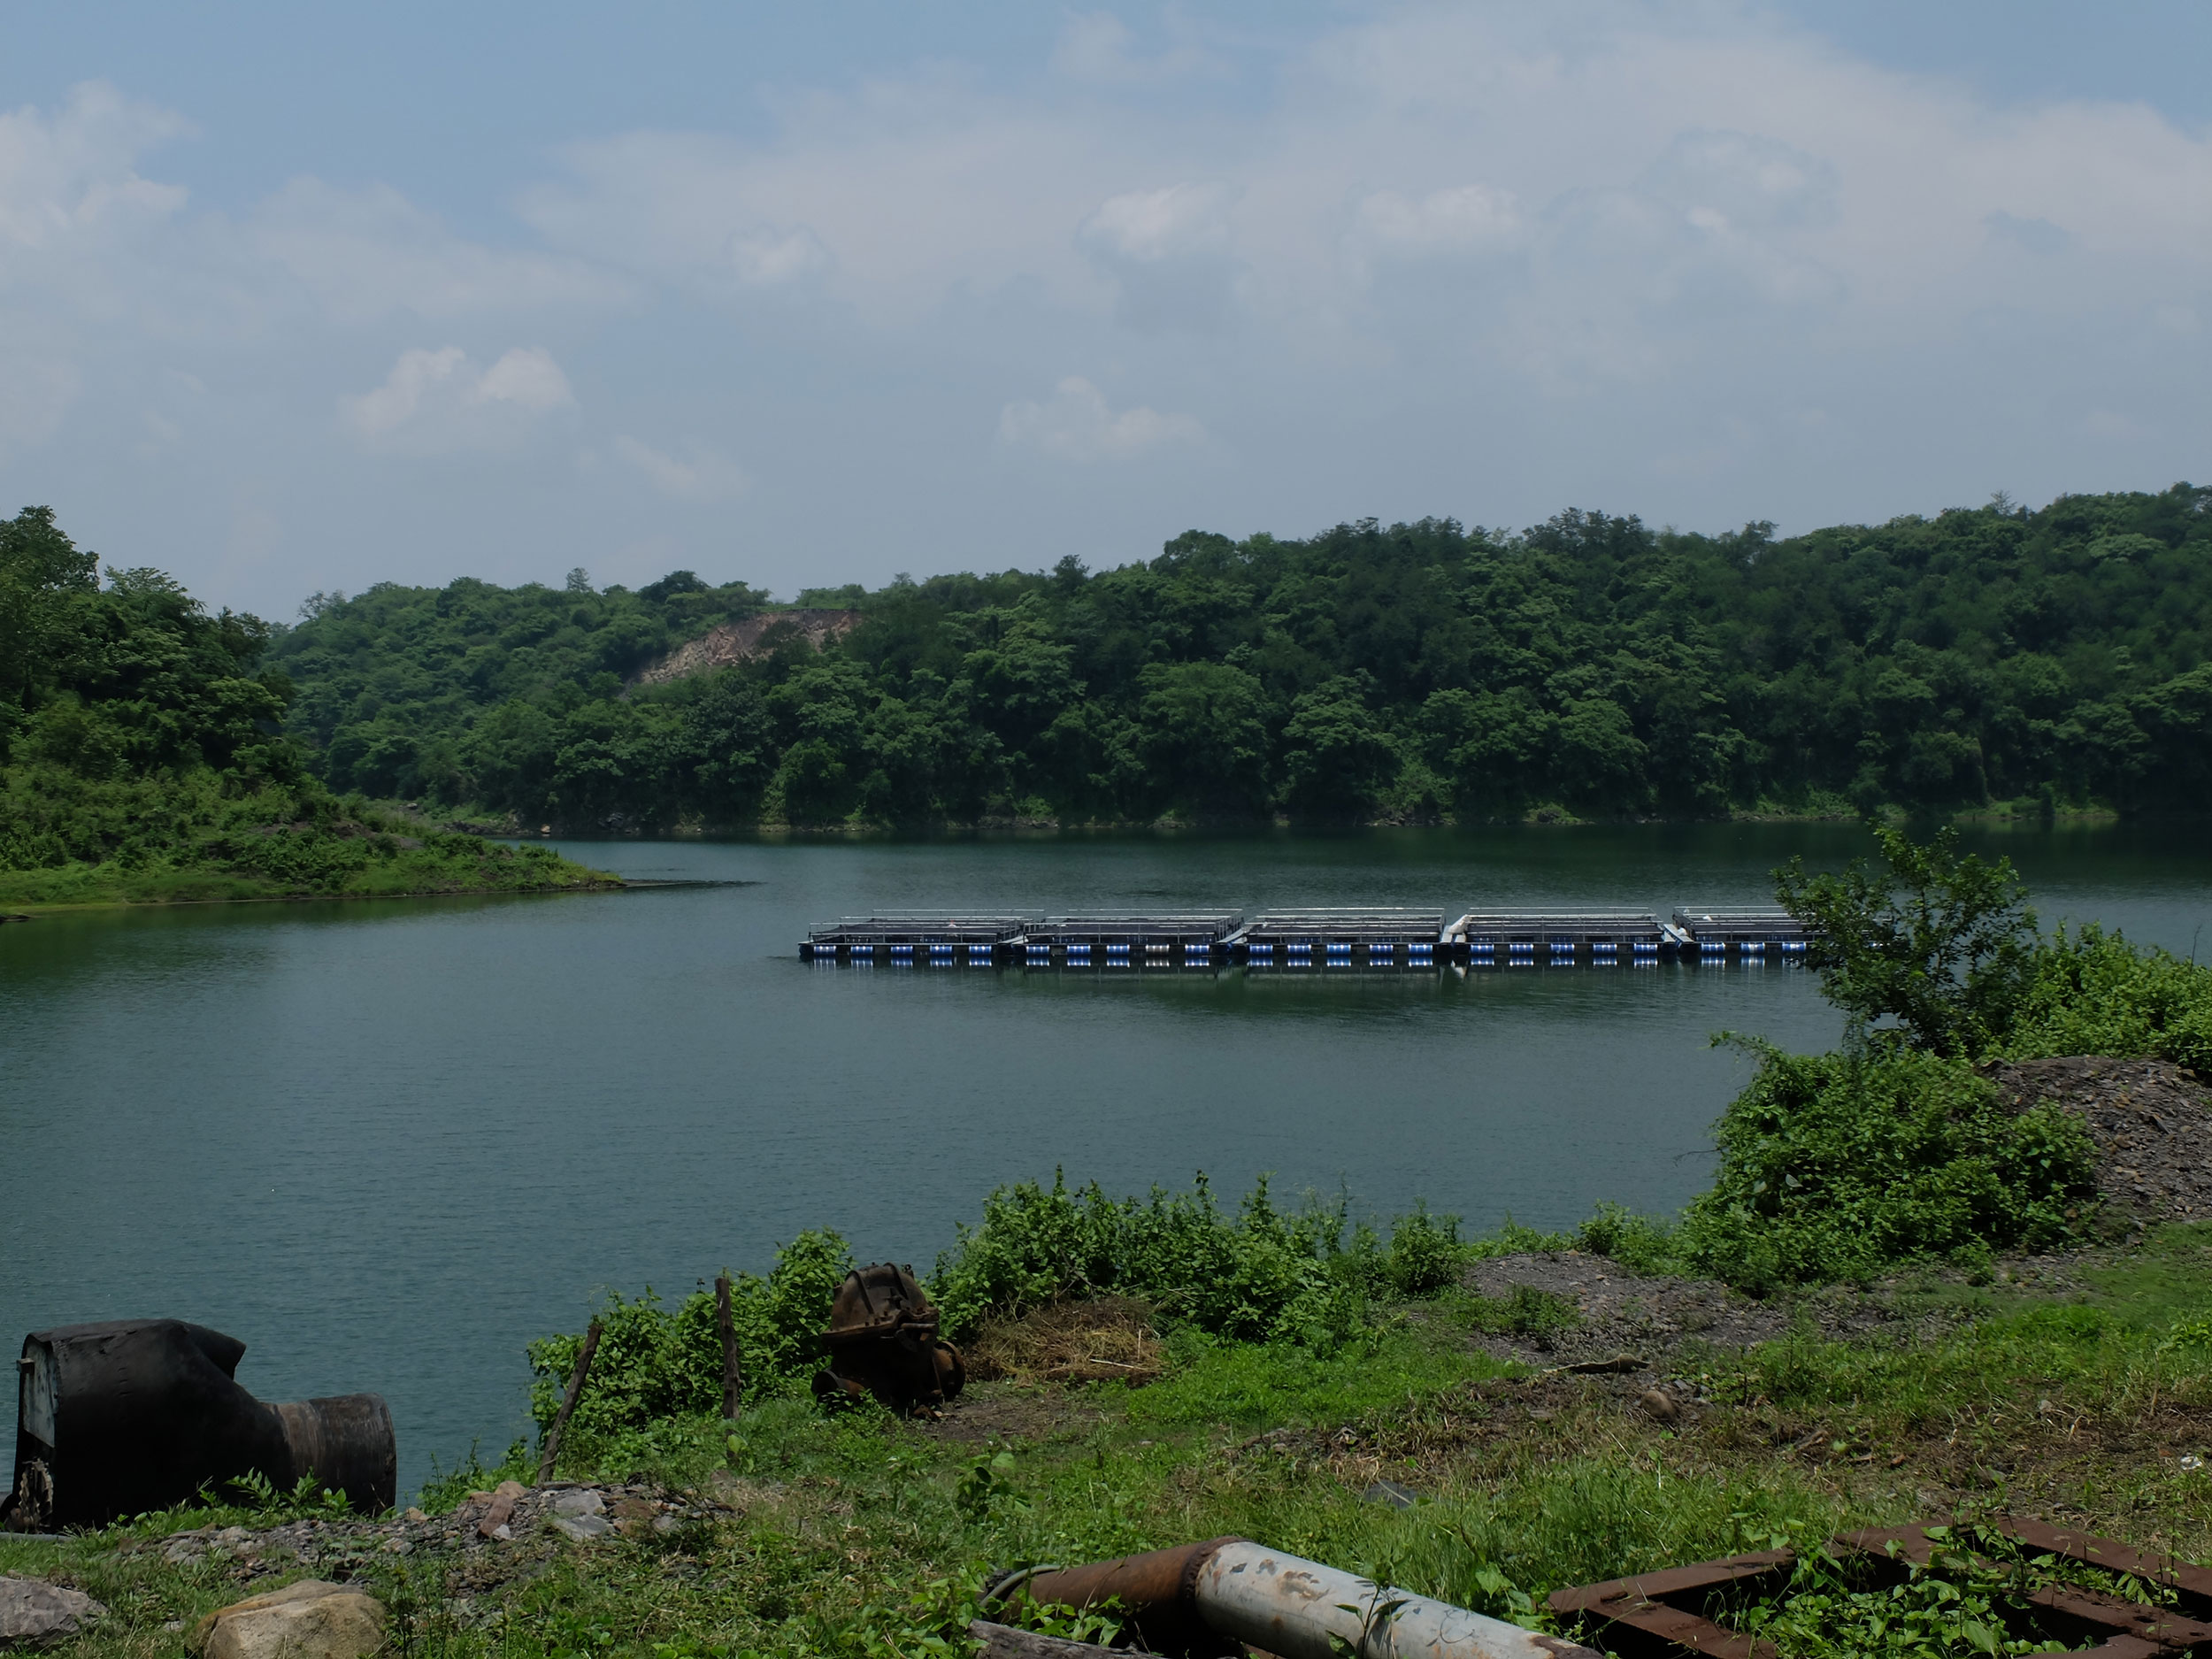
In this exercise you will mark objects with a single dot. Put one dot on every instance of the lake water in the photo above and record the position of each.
(385, 1144)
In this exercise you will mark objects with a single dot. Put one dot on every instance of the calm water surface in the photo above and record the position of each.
(385, 1144)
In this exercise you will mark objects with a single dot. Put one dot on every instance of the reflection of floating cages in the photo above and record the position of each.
(882, 1341)
(1672, 1611)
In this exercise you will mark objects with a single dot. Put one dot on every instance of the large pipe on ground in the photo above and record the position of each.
(1198, 1599)
(133, 1415)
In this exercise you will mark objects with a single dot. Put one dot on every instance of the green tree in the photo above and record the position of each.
(1205, 735)
(1941, 943)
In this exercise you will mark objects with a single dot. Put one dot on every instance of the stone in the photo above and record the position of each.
(311, 1619)
(582, 1528)
(493, 1522)
(579, 1501)
(36, 1614)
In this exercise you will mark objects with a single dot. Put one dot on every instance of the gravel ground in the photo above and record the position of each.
(488, 1529)
(2152, 1122)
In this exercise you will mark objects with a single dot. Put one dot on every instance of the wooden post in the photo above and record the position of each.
(568, 1403)
(732, 1369)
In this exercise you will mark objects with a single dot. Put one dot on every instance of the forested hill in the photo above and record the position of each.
(1403, 672)
(142, 756)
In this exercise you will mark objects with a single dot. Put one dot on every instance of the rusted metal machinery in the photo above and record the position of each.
(118, 1418)
(1211, 1598)
(1670, 1612)
(882, 1340)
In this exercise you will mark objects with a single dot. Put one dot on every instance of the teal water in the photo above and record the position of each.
(386, 1143)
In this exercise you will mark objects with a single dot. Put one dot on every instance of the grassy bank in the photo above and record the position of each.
(1909, 1295)
(864, 1535)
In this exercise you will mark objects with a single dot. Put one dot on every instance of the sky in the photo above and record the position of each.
(298, 299)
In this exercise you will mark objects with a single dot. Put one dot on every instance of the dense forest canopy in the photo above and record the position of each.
(1409, 670)
(142, 754)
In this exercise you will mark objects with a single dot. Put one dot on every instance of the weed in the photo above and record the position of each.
(1835, 1166)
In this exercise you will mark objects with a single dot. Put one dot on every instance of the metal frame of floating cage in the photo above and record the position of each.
(1558, 938)
(939, 939)
(1159, 939)
(1747, 935)
(1340, 937)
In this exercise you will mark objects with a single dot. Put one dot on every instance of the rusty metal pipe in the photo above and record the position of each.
(1231, 1587)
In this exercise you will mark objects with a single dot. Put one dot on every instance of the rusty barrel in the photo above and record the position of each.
(131, 1415)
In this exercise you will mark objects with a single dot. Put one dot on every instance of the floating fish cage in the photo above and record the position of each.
(1752, 936)
(1178, 939)
(917, 942)
(1349, 936)
(1561, 938)
(1342, 938)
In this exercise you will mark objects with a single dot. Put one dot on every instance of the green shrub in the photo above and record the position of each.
(1835, 1166)
(655, 1363)
(1525, 1313)
(2094, 992)
(1643, 1244)
(1262, 1274)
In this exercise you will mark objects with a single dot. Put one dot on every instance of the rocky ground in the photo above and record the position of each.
(2152, 1122)
(487, 1529)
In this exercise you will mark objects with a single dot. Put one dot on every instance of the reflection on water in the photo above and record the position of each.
(386, 1143)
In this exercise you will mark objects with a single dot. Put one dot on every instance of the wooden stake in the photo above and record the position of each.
(732, 1369)
(568, 1403)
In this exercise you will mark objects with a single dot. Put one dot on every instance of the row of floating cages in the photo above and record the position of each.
(1749, 935)
(1157, 939)
(948, 940)
(1527, 938)
(1342, 937)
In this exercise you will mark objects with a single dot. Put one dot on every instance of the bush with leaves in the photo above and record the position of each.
(655, 1363)
(1836, 1166)
(1260, 1274)
(2092, 992)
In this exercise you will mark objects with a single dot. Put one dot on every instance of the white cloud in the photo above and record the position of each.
(1463, 257)
(771, 258)
(1171, 253)
(438, 400)
(1077, 425)
(1097, 46)
(700, 475)
(72, 175)
(366, 253)
(1469, 217)
(527, 376)
(1142, 227)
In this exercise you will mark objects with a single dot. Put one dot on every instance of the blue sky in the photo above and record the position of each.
(292, 299)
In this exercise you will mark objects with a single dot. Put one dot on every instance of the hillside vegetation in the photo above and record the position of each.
(142, 755)
(1413, 672)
